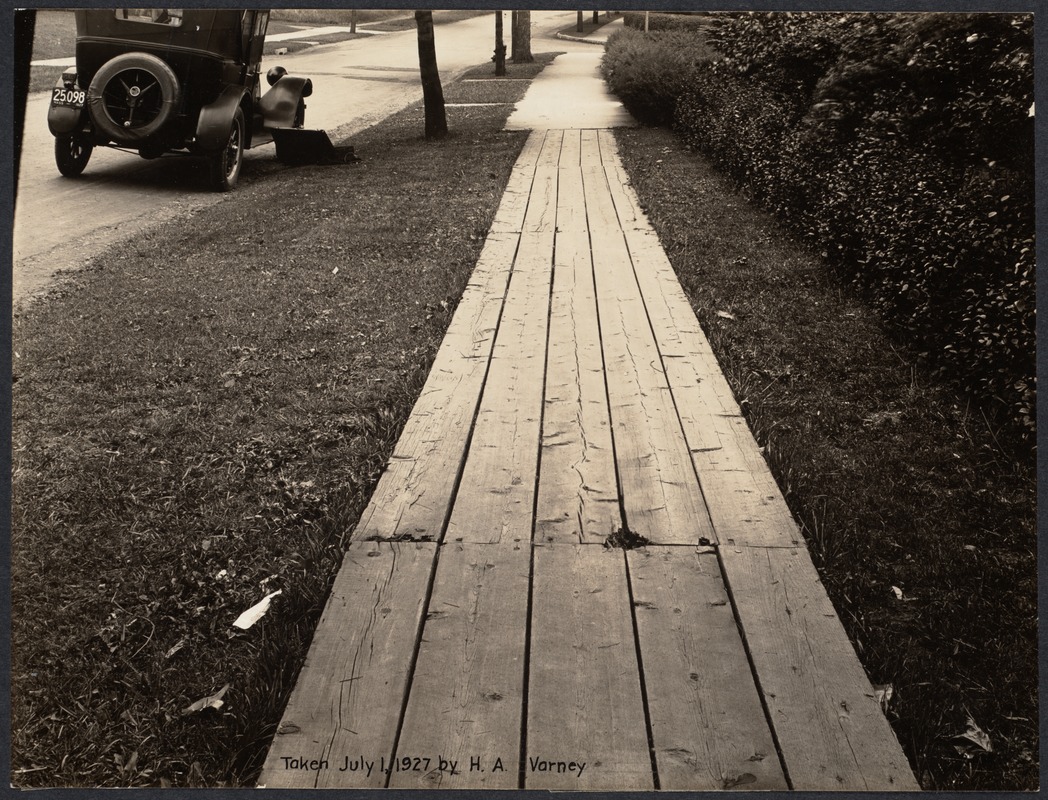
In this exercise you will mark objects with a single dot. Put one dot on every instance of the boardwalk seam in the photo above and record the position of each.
(753, 668)
(662, 362)
(534, 515)
(480, 397)
(414, 657)
(640, 674)
(604, 369)
(622, 510)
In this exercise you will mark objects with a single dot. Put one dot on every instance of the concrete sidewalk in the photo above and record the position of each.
(570, 94)
(599, 36)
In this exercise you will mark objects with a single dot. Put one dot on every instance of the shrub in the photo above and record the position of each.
(902, 147)
(649, 71)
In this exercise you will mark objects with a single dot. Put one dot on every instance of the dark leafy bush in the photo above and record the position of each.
(901, 145)
(649, 71)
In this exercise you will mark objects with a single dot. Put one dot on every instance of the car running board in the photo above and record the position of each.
(298, 146)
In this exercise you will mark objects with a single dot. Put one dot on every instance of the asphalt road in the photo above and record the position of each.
(60, 223)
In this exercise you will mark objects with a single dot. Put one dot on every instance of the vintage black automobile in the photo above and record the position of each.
(166, 80)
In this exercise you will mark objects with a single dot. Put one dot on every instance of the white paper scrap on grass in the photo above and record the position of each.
(256, 612)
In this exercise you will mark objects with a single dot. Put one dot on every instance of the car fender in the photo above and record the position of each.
(279, 105)
(212, 131)
(62, 120)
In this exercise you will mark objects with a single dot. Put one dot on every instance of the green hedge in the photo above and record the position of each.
(902, 147)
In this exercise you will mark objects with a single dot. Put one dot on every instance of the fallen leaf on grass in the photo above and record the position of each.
(725, 315)
(211, 701)
(900, 596)
(176, 647)
(255, 613)
(976, 736)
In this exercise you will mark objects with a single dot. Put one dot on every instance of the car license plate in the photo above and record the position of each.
(72, 98)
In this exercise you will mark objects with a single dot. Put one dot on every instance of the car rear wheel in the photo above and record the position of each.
(226, 163)
(72, 153)
(132, 97)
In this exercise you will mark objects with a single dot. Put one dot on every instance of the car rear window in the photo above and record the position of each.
(154, 16)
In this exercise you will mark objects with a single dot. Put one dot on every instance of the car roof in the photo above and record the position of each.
(216, 31)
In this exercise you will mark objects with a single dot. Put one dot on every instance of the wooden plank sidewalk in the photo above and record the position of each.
(481, 632)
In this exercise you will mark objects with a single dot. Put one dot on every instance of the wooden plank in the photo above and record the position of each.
(496, 496)
(827, 720)
(413, 496)
(578, 499)
(549, 156)
(571, 149)
(600, 208)
(466, 698)
(584, 693)
(661, 494)
(348, 698)
(627, 205)
(707, 723)
(542, 206)
(571, 200)
(541, 213)
(745, 503)
(589, 155)
(509, 218)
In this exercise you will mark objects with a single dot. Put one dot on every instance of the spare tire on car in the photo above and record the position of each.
(132, 96)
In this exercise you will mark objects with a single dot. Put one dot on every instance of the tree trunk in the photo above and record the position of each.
(596, 17)
(353, 20)
(432, 92)
(522, 37)
(500, 44)
(578, 23)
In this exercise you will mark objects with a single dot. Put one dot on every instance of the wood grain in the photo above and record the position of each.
(745, 503)
(584, 696)
(708, 726)
(571, 149)
(496, 498)
(349, 694)
(578, 498)
(589, 155)
(542, 206)
(627, 205)
(549, 155)
(466, 698)
(571, 200)
(660, 492)
(826, 716)
(509, 217)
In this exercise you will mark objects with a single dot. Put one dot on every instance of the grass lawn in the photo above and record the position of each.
(921, 522)
(198, 420)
